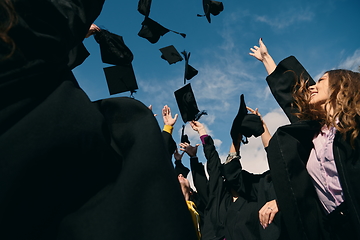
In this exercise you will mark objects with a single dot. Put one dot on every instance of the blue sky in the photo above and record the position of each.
(322, 34)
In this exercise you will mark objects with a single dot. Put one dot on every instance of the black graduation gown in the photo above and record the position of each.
(242, 220)
(218, 196)
(288, 152)
(60, 178)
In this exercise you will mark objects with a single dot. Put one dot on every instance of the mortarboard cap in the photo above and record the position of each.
(216, 7)
(112, 48)
(246, 124)
(187, 105)
(170, 54)
(152, 31)
(120, 79)
(213, 7)
(144, 7)
(190, 72)
(252, 126)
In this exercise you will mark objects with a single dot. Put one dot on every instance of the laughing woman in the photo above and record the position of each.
(315, 161)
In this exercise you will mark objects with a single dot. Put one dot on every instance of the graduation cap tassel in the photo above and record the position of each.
(199, 114)
(182, 34)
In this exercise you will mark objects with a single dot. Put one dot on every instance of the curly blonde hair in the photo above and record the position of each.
(344, 99)
(8, 19)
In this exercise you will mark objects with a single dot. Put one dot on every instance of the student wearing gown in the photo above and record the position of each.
(300, 164)
(235, 197)
(60, 175)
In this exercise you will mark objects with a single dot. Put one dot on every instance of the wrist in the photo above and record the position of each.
(202, 132)
(168, 129)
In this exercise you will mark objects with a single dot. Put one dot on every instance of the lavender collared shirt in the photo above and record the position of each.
(322, 169)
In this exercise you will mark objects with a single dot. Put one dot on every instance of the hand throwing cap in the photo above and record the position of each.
(112, 48)
(187, 104)
(120, 79)
(170, 54)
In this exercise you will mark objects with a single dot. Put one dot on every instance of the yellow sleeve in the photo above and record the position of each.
(168, 129)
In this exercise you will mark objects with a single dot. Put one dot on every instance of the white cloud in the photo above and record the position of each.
(286, 19)
(352, 62)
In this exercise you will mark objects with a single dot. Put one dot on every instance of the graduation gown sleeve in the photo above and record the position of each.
(282, 81)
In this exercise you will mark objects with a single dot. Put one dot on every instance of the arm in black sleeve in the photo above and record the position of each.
(199, 179)
(181, 169)
(282, 81)
(213, 165)
(169, 143)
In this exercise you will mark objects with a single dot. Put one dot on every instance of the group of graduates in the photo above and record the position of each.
(229, 203)
(75, 169)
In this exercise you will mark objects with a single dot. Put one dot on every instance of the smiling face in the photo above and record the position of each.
(320, 92)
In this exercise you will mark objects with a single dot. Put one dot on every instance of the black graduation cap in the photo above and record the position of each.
(170, 54)
(190, 72)
(213, 7)
(246, 124)
(144, 7)
(187, 105)
(184, 137)
(120, 79)
(152, 30)
(113, 49)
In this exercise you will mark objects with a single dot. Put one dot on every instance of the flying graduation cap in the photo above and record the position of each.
(190, 72)
(246, 124)
(112, 48)
(187, 105)
(152, 31)
(211, 7)
(170, 54)
(144, 7)
(120, 78)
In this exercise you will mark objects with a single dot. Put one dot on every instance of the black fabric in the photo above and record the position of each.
(118, 211)
(120, 79)
(77, 56)
(213, 7)
(170, 143)
(186, 102)
(218, 197)
(200, 181)
(60, 178)
(144, 7)
(190, 72)
(113, 49)
(151, 30)
(252, 126)
(288, 152)
(170, 54)
(245, 124)
(224, 218)
(282, 82)
(242, 221)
